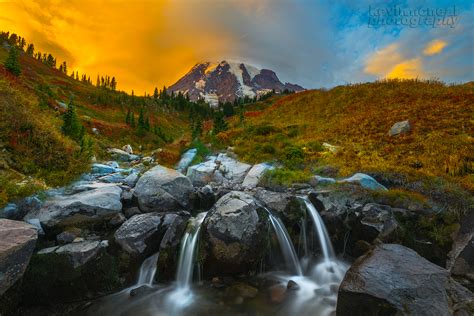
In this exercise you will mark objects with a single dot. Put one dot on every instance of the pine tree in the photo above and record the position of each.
(197, 129)
(141, 119)
(127, 118)
(12, 64)
(30, 50)
(71, 125)
(147, 123)
(155, 93)
(132, 120)
(220, 125)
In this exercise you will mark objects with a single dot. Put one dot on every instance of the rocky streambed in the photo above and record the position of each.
(135, 238)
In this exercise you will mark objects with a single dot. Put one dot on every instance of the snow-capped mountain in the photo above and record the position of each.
(225, 81)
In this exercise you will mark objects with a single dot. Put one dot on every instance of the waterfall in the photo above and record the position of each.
(148, 271)
(323, 236)
(286, 246)
(184, 275)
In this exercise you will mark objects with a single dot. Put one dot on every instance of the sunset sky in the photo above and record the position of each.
(312, 43)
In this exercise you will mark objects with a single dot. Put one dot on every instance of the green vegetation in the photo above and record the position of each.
(12, 64)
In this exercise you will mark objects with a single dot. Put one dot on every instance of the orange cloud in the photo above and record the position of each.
(434, 47)
(389, 62)
(143, 43)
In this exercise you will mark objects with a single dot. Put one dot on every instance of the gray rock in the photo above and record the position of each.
(131, 180)
(287, 206)
(318, 180)
(162, 190)
(17, 241)
(129, 212)
(117, 220)
(103, 169)
(122, 155)
(377, 221)
(128, 149)
(67, 237)
(400, 128)
(255, 173)
(82, 186)
(235, 234)
(17, 211)
(142, 234)
(36, 224)
(393, 279)
(10, 211)
(461, 257)
(87, 206)
(364, 181)
(78, 253)
(186, 159)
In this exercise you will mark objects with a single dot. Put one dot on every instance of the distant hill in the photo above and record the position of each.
(226, 81)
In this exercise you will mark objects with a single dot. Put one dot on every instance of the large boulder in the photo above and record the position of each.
(288, 207)
(79, 209)
(394, 280)
(255, 173)
(163, 190)
(219, 169)
(234, 234)
(72, 272)
(141, 235)
(17, 241)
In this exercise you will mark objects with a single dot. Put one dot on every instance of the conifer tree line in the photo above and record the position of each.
(18, 44)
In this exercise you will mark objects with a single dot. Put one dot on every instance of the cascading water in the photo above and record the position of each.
(289, 253)
(182, 295)
(184, 275)
(148, 271)
(323, 236)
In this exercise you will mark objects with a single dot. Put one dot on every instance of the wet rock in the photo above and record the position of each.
(127, 199)
(252, 178)
(206, 197)
(103, 169)
(113, 178)
(131, 180)
(292, 285)
(288, 206)
(242, 290)
(162, 190)
(399, 128)
(278, 294)
(141, 291)
(393, 279)
(234, 234)
(82, 186)
(17, 211)
(17, 241)
(79, 209)
(376, 221)
(364, 181)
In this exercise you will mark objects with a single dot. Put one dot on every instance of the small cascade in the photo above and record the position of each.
(286, 246)
(323, 236)
(148, 271)
(184, 275)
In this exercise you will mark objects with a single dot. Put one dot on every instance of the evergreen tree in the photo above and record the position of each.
(155, 93)
(30, 50)
(197, 129)
(12, 64)
(141, 120)
(147, 123)
(71, 125)
(132, 120)
(220, 125)
(127, 118)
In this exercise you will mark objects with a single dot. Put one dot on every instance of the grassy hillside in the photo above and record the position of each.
(357, 118)
(35, 154)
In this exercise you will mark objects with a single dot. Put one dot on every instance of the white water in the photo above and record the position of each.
(186, 159)
(289, 253)
(148, 271)
(323, 236)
